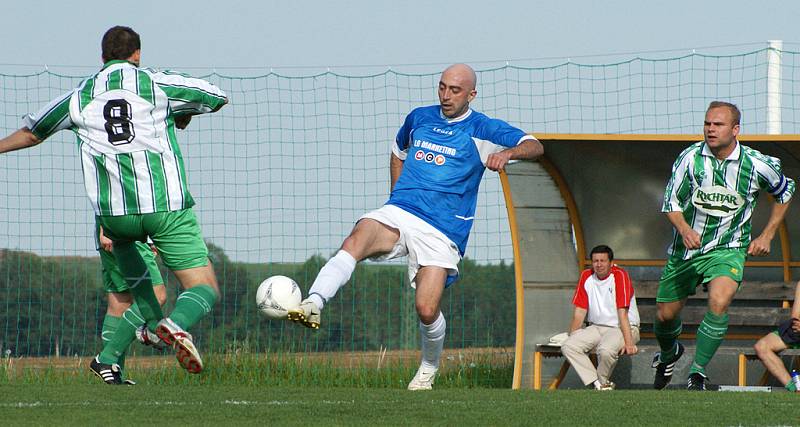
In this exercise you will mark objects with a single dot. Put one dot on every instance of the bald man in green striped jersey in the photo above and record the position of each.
(710, 200)
(125, 119)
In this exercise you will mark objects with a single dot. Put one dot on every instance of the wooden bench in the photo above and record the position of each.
(756, 310)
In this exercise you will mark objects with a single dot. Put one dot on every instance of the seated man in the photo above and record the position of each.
(604, 298)
(786, 336)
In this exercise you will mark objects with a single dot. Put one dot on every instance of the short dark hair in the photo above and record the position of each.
(737, 115)
(120, 43)
(602, 249)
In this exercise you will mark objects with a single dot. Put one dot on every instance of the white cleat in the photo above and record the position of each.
(181, 341)
(307, 314)
(423, 380)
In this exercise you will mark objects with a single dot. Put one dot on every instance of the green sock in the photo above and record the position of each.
(115, 349)
(709, 336)
(138, 277)
(110, 324)
(667, 334)
(192, 304)
(790, 386)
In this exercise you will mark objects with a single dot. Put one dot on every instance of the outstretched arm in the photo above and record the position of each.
(22, 138)
(760, 246)
(526, 150)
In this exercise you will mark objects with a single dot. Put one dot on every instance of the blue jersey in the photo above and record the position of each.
(444, 160)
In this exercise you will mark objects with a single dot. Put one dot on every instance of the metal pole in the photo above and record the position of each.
(774, 87)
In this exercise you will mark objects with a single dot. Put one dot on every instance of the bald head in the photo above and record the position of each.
(457, 89)
(463, 73)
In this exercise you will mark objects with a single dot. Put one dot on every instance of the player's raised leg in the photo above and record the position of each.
(368, 238)
(430, 281)
(198, 298)
(179, 241)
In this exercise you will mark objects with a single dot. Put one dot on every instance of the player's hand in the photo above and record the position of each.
(759, 246)
(498, 161)
(182, 121)
(691, 239)
(106, 243)
(629, 349)
(795, 324)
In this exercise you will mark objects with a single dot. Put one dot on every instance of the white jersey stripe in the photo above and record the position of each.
(117, 158)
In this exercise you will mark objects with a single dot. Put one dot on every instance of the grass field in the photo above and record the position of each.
(253, 405)
(365, 388)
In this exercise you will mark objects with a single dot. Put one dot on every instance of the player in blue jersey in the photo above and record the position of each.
(436, 165)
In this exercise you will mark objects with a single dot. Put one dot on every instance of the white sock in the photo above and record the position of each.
(334, 274)
(432, 337)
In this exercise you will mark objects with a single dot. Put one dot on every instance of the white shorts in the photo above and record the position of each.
(424, 244)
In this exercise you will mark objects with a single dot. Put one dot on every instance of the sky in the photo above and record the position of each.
(306, 38)
(302, 37)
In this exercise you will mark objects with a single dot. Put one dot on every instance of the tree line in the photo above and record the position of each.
(54, 306)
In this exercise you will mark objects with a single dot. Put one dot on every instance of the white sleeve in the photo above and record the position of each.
(485, 147)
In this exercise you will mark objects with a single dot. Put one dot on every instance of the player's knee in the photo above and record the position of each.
(161, 294)
(607, 353)
(117, 308)
(427, 314)
(569, 347)
(762, 347)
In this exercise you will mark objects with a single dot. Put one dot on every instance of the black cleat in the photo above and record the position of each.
(664, 369)
(110, 374)
(697, 382)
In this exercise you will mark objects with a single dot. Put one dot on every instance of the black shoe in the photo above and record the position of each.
(110, 374)
(697, 382)
(664, 370)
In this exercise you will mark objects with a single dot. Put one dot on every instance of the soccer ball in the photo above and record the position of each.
(277, 295)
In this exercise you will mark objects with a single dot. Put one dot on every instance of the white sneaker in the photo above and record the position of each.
(423, 380)
(181, 341)
(308, 314)
(609, 386)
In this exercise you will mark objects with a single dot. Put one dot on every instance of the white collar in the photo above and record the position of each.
(460, 118)
(733, 156)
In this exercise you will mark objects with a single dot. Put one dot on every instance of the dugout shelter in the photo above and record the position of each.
(591, 189)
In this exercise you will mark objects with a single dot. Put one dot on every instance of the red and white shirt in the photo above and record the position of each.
(602, 298)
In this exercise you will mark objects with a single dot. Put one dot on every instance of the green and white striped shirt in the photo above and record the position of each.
(717, 197)
(124, 119)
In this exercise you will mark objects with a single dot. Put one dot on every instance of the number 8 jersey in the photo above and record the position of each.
(124, 119)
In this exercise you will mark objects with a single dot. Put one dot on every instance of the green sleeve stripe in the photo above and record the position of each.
(114, 80)
(128, 176)
(103, 186)
(160, 196)
(146, 87)
(48, 123)
(87, 92)
(193, 95)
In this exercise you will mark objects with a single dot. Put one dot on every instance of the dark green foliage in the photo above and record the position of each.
(55, 306)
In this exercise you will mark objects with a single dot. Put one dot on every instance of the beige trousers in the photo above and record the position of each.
(607, 341)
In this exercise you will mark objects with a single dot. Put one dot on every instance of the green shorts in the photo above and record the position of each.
(113, 281)
(176, 235)
(681, 277)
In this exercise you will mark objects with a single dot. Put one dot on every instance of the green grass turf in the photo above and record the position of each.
(254, 405)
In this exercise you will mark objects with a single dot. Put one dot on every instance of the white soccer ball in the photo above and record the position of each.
(277, 295)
